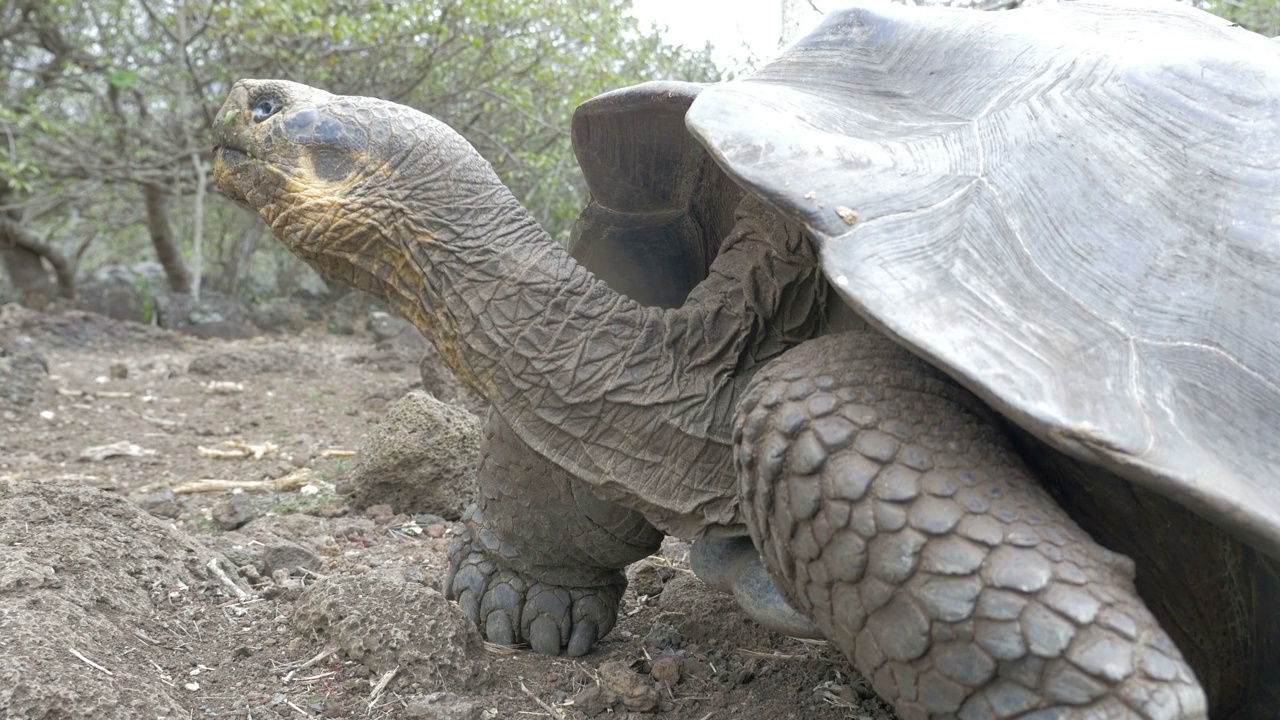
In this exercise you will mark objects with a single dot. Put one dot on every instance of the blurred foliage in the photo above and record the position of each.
(102, 100)
(1260, 16)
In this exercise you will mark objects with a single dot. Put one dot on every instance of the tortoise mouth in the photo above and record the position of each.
(227, 160)
(229, 153)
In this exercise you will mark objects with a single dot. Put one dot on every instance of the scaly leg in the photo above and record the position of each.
(892, 509)
(541, 558)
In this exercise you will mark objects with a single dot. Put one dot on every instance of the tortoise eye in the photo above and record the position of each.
(264, 107)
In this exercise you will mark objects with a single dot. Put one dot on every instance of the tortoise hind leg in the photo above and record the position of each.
(541, 558)
(1218, 597)
(894, 512)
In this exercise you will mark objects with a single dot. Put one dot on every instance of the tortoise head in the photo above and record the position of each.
(334, 176)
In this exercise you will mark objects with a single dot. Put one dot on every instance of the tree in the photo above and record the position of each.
(109, 103)
(83, 120)
(1260, 16)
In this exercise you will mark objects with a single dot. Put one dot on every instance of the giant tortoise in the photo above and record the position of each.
(1039, 482)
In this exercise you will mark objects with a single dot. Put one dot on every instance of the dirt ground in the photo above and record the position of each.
(122, 595)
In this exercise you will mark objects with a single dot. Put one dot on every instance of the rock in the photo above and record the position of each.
(280, 315)
(77, 329)
(123, 293)
(694, 667)
(384, 623)
(350, 312)
(115, 300)
(233, 511)
(663, 637)
(238, 549)
(145, 274)
(421, 458)
(646, 577)
(289, 557)
(333, 507)
(425, 519)
(162, 503)
(239, 363)
(215, 316)
(24, 372)
(675, 549)
(396, 332)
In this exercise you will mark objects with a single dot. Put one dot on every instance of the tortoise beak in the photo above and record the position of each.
(231, 141)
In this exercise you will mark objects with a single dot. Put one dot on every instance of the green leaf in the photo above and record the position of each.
(123, 79)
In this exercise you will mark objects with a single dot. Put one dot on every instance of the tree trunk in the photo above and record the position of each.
(27, 275)
(790, 22)
(20, 253)
(162, 238)
(197, 237)
(21, 250)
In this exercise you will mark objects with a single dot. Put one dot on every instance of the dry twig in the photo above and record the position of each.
(318, 657)
(89, 662)
(239, 449)
(297, 479)
(535, 698)
(218, 572)
(381, 686)
(496, 649)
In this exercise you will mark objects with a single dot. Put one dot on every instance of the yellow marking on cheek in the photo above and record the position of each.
(316, 203)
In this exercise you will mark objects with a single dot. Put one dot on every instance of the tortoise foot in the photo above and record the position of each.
(732, 565)
(894, 512)
(511, 608)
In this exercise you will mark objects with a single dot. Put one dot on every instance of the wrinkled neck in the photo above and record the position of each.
(636, 401)
(504, 303)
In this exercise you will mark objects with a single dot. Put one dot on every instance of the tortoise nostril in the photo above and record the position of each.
(264, 107)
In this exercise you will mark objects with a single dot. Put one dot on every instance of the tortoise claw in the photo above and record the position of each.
(498, 629)
(583, 639)
(510, 609)
(544, 636)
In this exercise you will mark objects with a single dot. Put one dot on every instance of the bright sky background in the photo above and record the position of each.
(736, 28)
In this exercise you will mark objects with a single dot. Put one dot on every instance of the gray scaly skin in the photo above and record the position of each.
(619, 403)
(903, 521)
(889, 506)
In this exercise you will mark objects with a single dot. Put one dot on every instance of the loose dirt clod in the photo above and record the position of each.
(387, 625)
(421, 458)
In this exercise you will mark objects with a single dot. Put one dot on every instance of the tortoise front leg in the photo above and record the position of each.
(892, 509)
(541, 558)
